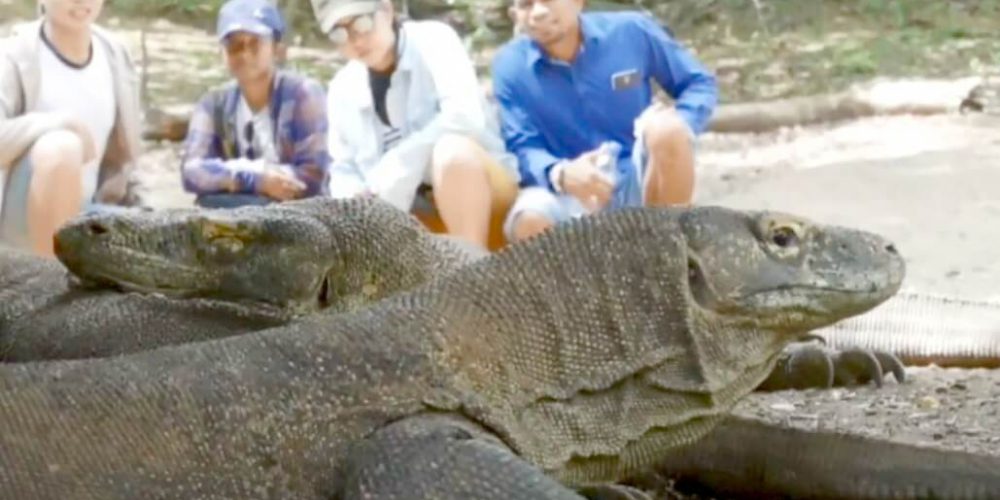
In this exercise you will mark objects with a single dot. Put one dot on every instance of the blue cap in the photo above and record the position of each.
(259, 17)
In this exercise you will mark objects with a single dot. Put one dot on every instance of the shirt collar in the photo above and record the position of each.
(591, 34)
(235, 96)
(404, 51)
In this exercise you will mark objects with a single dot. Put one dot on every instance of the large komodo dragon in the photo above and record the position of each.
(580, 357)
(288, 260)
(256, 254)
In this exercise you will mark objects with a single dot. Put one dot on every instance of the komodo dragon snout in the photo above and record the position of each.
(782, 271)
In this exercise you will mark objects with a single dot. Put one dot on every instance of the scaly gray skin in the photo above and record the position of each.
(303, 256)
(555, 362)
(43, 317)
(26, 282)
(342, 244)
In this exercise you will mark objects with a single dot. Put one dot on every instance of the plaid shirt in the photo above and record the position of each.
(300, 125)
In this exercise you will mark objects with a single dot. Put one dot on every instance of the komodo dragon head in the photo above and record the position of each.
(783, 272)
(304, 255)
(650, 336)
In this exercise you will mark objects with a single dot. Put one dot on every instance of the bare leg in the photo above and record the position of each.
(54, 195)
(669, 176)
(463, 193)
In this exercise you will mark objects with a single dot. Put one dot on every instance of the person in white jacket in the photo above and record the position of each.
(409, 122)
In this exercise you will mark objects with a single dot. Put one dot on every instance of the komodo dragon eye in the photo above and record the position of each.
(224, 235)
(784, 237)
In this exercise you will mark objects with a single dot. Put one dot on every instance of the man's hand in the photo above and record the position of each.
(113, 190)
(582, 179)
(281, 185)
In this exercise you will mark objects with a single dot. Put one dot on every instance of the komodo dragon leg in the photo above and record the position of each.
(444, 457)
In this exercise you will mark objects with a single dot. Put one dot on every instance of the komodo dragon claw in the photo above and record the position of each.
(810, 365)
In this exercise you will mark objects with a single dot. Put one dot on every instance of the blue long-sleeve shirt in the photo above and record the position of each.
(551, 110)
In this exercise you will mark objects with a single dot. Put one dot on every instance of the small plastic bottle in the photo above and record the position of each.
(608, 165)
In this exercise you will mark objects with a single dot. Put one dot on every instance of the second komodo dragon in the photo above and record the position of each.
(306, 255)
(215, 273)
(580, 357)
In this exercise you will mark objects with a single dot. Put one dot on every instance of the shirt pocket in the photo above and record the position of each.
(628, 89)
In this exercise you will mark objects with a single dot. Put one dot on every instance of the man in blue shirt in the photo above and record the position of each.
(576, 106)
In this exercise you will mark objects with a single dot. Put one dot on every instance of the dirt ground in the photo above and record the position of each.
(942, 408)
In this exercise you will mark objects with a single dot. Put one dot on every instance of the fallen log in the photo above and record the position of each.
(169, 123)
(897, 97)
(878, 98)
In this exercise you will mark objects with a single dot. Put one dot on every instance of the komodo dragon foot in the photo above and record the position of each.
(444, 458)
(812, 364)
(449, 458)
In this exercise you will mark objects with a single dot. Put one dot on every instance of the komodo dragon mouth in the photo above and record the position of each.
(97, 280)
(96, 277)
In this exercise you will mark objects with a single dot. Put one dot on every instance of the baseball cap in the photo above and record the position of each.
(330, 12)
(260, 17)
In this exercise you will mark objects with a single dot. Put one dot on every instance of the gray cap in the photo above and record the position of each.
(330, 12)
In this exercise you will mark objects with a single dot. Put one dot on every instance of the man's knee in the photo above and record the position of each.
(456, 152)
(535, 211)
(529, 224)
(56, 152)
(665, 128)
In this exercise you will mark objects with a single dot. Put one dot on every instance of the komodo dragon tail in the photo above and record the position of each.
(750, 458)
(924, 328)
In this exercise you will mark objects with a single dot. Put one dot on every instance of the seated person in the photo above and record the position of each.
(410, 117)
(575, 87)
(69, 122)
(262, 137)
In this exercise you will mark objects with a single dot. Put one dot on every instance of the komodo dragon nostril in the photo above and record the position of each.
(96, 228)
(891, 248)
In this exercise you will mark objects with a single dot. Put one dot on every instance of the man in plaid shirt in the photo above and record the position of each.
(262, 137)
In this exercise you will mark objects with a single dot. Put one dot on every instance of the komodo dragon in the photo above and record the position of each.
(303, 255)
(298, 258)
(574, 359)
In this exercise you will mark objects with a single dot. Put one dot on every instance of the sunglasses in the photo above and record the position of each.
(359, 26)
